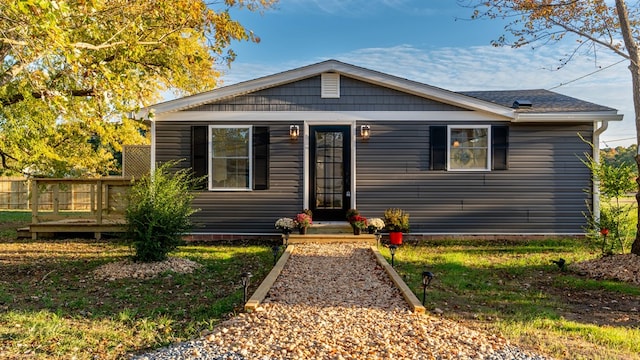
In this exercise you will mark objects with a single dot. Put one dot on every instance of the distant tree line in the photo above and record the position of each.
(619, 155)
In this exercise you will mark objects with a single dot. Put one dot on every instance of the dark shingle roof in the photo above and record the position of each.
(541, 100)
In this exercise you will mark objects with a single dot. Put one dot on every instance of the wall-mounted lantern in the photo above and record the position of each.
(365, 132)
(294, 132)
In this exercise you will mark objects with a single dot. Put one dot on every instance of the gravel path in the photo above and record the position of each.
(336, 302)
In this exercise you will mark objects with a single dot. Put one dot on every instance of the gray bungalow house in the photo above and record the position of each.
(333, 136)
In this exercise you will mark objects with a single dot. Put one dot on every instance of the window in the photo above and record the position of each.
(469, 148)
(230, 158)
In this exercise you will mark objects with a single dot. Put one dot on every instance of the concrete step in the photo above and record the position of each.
(331, 238)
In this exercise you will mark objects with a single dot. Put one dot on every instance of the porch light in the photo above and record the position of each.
(392, 249)
(246, 277)
(365, 132)
(294, 132)
(427, 276)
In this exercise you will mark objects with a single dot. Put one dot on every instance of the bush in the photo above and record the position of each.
(613, 228)
(158, 212)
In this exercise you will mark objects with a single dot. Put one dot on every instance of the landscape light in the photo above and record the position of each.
(392, 249)
(246, 277)
(276, 250)
(427, 276)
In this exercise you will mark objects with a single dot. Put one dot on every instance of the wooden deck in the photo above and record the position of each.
(105, 215)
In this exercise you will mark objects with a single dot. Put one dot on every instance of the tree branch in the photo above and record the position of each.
(19, 97)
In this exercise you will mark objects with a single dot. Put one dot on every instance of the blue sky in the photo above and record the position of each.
(428, 41)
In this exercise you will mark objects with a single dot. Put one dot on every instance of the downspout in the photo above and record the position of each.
(153, 145)
(596, 157)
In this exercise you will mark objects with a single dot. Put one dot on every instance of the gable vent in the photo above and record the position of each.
(330, 85)
(518, 104)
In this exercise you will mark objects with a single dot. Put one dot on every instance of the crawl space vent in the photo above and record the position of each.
(330, 85)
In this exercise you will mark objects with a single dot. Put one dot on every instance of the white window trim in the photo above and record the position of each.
(489, 148)
(210, 159)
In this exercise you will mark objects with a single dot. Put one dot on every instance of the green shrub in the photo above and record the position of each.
(158, 212)
(613, 228)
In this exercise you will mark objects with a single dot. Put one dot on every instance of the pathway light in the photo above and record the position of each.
(392, 249)
(427, 276)
(246, 278)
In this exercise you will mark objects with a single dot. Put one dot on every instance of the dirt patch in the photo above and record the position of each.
(138, 270)
(602, 307)
(622, 267)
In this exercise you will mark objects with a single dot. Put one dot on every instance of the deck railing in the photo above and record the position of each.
(105, 210)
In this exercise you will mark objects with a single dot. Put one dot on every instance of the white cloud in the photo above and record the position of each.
(489, 68)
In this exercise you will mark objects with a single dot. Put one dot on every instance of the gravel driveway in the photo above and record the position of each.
(335, 302)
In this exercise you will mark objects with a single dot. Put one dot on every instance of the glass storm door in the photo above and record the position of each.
(329, 168)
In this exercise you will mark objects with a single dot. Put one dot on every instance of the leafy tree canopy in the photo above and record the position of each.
(69, 69)
(619, 155)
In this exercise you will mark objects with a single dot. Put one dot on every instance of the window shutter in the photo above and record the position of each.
(260, 158)
(438, 143)
(199, 151)
(500, 147)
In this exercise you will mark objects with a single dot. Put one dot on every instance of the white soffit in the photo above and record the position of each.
(328, 116)
(568, 117)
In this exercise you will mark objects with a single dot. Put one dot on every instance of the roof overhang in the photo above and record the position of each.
(568, 117)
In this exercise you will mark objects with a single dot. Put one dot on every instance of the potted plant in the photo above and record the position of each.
(375, 225)
(358, 223)
(285, 225)
(303, 221)
(396, 221)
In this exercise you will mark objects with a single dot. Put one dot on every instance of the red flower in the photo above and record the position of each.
(604, 231)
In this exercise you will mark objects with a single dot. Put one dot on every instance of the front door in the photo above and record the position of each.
(329, 166)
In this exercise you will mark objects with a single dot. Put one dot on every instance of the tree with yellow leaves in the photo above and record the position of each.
(70, 68)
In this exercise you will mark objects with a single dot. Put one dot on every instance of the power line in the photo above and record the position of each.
(587, 75)
(616, 140)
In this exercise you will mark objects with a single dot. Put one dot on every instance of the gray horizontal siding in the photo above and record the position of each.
(241, 211)
(542, 192)
(304, 95)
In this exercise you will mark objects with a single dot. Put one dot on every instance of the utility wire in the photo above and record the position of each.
(587, 75)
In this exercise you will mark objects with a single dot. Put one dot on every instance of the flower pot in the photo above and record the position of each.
(395, 237)
(356, 230)
(303, 231)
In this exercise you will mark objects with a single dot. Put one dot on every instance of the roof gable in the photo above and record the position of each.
(545, 105)
(332, 66)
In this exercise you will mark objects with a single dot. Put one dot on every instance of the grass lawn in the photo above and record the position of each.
(512, 288)
(52, 307)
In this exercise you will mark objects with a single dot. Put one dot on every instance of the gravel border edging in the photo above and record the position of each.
(413, 302)
(261, 292)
